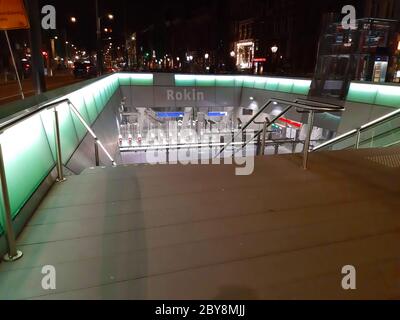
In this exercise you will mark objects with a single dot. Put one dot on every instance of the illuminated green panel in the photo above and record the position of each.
(91, 107)
(100, 95)
(239, 81)
(260, 83)
(248, 82)
(285, 85)
(301, 87)
(272, 84)
(27, 160)
(388, 96)
(124, 79)
(142, 80)
(77, 100)
(365, 93)
(185, 80)
(205, 81)
(68, 134)
(225, 81)
(97, 98)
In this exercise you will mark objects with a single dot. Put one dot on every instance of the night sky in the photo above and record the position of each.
(130, 16)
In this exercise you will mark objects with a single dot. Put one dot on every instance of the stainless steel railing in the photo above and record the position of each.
(357, 132)
(301, 105)
(13, 254)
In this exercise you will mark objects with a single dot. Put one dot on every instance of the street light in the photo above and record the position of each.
(274, 49)
(110, 16)
(233, 54)
(206, 56)
(73, 19)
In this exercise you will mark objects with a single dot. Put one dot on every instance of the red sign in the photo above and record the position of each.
(260, 60)
(291, 122)
(13, 15)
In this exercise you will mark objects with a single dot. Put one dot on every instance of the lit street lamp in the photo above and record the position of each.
(274, 49)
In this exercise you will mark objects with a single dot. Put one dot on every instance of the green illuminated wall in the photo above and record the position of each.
(29, 146)
(295, 86)
(385, 95)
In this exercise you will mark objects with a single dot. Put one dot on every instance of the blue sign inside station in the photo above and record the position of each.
(170, 114)
(217, 114)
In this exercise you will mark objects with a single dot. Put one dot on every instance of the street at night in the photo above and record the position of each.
(200, 159)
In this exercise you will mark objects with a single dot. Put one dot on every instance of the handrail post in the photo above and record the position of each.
(258, 150)
(308, 138)
(96, 152)
(358, 139)
(264, 136)
(13, 254)
(60, 173)
(167, 151)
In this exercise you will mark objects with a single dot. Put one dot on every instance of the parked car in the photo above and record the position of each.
(84, 70)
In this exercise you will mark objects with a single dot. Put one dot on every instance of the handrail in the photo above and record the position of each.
(310, 106)
(30, 113)
(360, 130)
(97, 141)
(13, 254)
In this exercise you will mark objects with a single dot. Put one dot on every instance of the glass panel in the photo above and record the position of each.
(272, 84)
(185, 80)
(27, 159)
(205, 81)
(260, 83)
(301, 87)
(285, 85)
(124, 79)
(248, 82)
(141, 79)
(347, 143)
(382, 135)
(91, 107)
(79, 103)
(68, 134)
(225, 81)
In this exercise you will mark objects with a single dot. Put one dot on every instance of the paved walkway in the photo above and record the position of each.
(200, 232)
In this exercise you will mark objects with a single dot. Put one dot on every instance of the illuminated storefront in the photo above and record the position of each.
(244, 55)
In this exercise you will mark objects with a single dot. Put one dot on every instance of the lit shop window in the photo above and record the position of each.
(245, 55)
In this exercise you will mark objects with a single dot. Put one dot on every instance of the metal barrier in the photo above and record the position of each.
(304, 106)
(14, 254)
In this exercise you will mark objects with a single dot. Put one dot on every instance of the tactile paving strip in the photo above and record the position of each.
(388, 160)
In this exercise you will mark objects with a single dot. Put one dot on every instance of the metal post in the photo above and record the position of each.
(358, 139)
(308, 139)
(167, 155)
(60, 173)
(258, 151)
(96, 152)
(13, 254)
(276, 148)
(264, 136)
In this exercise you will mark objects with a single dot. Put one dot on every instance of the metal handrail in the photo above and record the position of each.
(13, 254)
(359, 131)
(311, 107)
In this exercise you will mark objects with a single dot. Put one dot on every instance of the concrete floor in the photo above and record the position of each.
(200, 232)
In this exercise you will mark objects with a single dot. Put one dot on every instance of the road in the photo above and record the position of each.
(10, 92)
